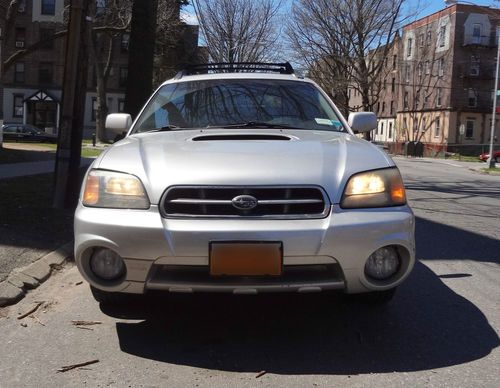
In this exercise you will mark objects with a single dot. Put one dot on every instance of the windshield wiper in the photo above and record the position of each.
(255, 124)
(169, 127)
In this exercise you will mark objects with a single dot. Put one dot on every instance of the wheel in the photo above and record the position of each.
(497, 159)
(110, 298)
(375, 298)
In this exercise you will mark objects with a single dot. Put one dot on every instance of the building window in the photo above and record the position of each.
(20, 37)
(21, 6)
(45, 72)
(47, 38)
(474, 65)
(476, 34)
(469, 129)
(429, 37)
(392, 107)
(100, 7)
(421, 40)
(405, 102)
(427, 67)
(94, 109)
(125, 41)
(426, 98)
(394, 61)
(441, 67)
(472, 98)
(407, 74)
(409, 47)
(393, 85)
(389, 135)
(48, 7)
(442, 36)
(19, 73)
(383, 106)
(121, 105)
(378, 107)
(381, 128)
(419, 70)
(122, 81)
(18, 105)
(439, 97)
(437, 128)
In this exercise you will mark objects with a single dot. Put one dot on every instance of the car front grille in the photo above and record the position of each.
(295, 202)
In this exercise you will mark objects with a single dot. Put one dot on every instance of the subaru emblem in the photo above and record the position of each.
(244, 202)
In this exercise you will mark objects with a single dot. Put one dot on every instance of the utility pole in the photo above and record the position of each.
(67, 171)
(491, 159)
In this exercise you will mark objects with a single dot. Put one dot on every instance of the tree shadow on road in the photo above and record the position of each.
(427, 325)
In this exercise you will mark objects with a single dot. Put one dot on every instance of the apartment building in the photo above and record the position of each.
(32, 85)
(438, 87)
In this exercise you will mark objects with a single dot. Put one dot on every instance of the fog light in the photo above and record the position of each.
(383, 263)
(106, 264)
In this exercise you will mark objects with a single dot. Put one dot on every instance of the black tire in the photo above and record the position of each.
(497, 159)
(376, 298)
(110, 298)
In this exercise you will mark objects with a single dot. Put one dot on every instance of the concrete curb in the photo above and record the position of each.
(14, 287)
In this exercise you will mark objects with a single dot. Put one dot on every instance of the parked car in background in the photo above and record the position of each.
(236, 181)
(26, 132)
(485, 155)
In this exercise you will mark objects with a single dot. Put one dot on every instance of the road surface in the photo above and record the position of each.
(440, 330)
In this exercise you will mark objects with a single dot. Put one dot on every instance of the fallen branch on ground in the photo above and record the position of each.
(85, 323)
(30, 311)
(74, 366)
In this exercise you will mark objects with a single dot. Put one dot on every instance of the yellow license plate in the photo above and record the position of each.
(246, 259)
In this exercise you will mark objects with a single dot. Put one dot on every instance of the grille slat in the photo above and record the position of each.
(296, 202)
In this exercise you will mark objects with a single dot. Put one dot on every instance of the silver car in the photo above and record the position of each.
(243, 181)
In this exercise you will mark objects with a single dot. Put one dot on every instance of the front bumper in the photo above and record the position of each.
(172, 254)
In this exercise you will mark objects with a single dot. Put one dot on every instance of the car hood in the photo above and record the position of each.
(243, 157)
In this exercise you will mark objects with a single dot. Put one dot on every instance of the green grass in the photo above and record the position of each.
(494, 170)
(8, 155)
(464, 158)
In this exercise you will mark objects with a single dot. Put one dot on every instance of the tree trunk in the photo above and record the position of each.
(67, 169)
(141, 55)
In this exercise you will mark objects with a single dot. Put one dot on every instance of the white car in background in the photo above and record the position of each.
(246, 179)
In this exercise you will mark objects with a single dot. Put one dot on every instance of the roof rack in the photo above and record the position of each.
(237, 67)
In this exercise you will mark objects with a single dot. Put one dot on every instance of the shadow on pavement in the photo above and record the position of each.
(437, 241)
(427, 325)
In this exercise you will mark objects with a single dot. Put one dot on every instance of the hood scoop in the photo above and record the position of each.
(240, 136)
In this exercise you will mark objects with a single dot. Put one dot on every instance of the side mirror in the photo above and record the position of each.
(362, 121)
(117, 124)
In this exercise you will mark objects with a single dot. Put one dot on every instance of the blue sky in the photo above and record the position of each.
(425, 7)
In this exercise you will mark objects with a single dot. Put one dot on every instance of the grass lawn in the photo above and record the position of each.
(495, 170)
(34, 152)
(464, 158)
(27, 217)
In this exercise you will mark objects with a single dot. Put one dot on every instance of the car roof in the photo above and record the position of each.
(240, 75)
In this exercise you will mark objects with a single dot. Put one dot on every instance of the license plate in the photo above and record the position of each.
(246, 259)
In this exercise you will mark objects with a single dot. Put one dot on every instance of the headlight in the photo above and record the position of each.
(114, 190)
(378, 188)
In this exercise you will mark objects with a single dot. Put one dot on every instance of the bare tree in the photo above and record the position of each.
(239, 30)
(351, 39)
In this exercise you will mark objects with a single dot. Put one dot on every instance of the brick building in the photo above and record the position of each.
(440, 77)
(32, 86)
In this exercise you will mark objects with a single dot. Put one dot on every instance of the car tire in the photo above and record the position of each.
(376, 298)
(497, 159)
(110, 298)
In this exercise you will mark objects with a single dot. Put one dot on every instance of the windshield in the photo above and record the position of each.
(262, 103)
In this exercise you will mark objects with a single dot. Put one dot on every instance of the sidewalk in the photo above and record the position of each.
(474, 166)
(12, 170)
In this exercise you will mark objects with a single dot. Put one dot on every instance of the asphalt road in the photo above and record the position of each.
(440, 330)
